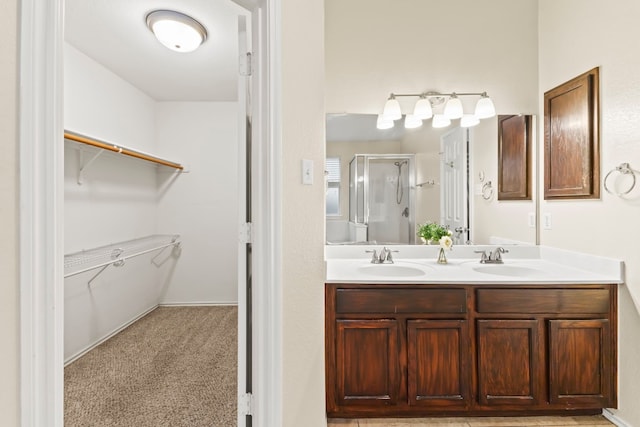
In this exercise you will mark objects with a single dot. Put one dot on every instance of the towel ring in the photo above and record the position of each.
(487, 190)
(624, 169)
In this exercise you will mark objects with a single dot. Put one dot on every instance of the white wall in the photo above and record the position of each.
(100, 104)
(202, 205)
(115, 203)
(9, 315)
(375, 47)
(302, 135)
(569, 46)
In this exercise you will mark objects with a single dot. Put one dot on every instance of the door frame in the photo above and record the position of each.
(41, 163)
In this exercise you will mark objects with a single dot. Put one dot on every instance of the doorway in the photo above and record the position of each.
(454, 178)
(41, 218)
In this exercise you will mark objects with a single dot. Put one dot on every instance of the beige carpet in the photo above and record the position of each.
(175, 367)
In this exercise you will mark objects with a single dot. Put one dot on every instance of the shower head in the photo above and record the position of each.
(404, 162)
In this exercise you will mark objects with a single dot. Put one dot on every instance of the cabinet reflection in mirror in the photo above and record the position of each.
(382, 184)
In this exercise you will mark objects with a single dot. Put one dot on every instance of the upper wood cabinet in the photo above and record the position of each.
(514, 157)
(571, 139)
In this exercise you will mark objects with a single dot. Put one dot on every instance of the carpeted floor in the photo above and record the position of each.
(175, 367)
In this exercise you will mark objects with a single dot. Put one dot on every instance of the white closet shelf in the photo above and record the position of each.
(116, 253)
(120, 149)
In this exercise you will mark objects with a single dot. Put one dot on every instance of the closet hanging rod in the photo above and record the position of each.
(116, 254)
(120, 149)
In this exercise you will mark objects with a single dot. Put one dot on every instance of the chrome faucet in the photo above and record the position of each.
(384, 257)
(492, 256)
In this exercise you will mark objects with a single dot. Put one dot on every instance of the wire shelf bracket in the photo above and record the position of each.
(116, 254)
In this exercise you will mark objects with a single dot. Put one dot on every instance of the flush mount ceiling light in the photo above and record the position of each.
(176, 31)
(453, 108)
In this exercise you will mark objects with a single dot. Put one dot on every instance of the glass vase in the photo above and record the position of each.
(442, 256)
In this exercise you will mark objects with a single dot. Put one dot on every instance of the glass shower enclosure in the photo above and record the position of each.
(381, 198)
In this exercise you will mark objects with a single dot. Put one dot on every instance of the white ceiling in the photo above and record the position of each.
(114, 33)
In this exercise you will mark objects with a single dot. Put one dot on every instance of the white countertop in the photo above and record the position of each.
(522, 265)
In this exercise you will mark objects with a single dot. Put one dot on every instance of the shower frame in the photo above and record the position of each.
(354, 184)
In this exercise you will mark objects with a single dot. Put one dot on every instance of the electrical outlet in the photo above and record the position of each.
(531, 220)
(546, 221)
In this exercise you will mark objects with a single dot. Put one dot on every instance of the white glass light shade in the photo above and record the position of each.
(453, 108)
(383, 123)
(176, 31)
(469, 120)
(440, 121)
(412, 122)
(423, 110)
(392, 109)
(485, 108)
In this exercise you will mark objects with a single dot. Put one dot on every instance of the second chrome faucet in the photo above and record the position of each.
(492, 256)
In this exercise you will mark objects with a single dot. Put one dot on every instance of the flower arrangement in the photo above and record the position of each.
(446, 243)
(433, 232)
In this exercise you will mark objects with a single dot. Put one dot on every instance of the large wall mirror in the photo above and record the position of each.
(380, 186)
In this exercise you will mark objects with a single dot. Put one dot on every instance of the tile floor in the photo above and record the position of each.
(576, 421)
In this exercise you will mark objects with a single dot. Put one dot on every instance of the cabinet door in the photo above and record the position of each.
(367, 362)
(580, 362)
(438, 363)
(509, 362)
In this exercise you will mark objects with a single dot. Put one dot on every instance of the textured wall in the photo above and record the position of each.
(302, 213)
(569, 46)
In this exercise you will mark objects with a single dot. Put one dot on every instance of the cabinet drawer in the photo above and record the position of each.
(401, 301)
(555, 301)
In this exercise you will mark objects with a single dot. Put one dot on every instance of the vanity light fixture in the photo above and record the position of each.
(383, 123)
(469, 120)
(453, 107)
(392, 109)
(412, 122)
(485, 107)
(176, 31)
(424, 109)
(440, 121)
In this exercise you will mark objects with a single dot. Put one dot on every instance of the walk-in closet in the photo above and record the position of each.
(153, 194)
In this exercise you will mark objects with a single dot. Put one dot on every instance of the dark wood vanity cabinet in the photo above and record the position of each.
(412, 350)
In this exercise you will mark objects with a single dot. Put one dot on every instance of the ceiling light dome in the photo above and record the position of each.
(176, 31)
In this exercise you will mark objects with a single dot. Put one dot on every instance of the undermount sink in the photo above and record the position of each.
(507, 270)
(391, 270)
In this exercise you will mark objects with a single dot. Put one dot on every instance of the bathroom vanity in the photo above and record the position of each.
(529, 337)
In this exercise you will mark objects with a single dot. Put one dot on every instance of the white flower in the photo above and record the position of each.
(446, 243)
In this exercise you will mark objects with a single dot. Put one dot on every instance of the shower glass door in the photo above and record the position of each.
(382, 197)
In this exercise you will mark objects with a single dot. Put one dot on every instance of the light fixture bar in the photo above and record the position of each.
(438, 94)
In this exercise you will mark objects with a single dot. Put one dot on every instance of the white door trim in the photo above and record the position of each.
(41, 214)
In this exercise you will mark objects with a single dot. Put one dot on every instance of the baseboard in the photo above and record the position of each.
(196, 303)
(116, 331)
(611, 417)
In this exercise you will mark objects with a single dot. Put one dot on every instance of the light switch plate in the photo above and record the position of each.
(531, 220)
(307, 172)
(546, 221)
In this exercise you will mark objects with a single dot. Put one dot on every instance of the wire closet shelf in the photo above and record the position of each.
(116, 254)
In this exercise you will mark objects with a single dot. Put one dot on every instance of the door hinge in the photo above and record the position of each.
(246, 233)
(246, 66)
(245, 404)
